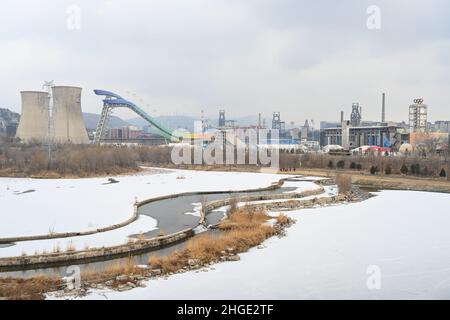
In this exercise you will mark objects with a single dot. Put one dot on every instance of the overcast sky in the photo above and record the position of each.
(306, 59)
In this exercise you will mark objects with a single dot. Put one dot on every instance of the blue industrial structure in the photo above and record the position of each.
(112, 101)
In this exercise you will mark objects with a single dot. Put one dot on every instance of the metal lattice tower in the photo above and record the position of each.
(103, 123)
(356, 115)
(221, 118)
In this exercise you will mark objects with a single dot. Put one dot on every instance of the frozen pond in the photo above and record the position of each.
(70, 204)
(397, 242)
(39, 206)
(162, 216)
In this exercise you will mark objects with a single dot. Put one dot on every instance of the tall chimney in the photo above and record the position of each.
(383, 108)
(342, 116)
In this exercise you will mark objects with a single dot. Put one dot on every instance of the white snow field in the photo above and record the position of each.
(103, 239)
(333, 253)
(82, 204)
(299, 186)
(62, 205)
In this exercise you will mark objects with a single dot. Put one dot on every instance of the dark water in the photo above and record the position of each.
(170, 213)
(140, 259)
(171, 217)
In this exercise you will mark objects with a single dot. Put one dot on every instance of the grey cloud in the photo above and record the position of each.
(307, 59)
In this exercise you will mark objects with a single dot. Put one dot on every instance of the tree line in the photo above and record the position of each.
(431, 166)
(68, 159)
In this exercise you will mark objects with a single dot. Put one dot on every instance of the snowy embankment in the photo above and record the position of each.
(329, 191)
(62, 205)
(332, 253)
(297, 186)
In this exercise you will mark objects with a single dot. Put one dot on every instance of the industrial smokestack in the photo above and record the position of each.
(67, 117)
(34, 120)
(383, 108)
(342, 116)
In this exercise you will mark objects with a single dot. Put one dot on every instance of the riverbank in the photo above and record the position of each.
(52, 174)
(244, 228)
(395, 182)
(379, 181)
(330, 253)
(142, 242)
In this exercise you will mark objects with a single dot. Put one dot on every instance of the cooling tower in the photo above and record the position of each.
(33, 125)
(68, 125)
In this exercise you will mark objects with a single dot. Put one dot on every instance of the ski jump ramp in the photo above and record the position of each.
(112, 101)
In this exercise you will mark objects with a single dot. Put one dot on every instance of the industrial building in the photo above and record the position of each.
(63, 123)
(354, 137)
(132, 135)
(34, 121)
(279, 125)
(355, 133)
(356, 115)
(442, 126)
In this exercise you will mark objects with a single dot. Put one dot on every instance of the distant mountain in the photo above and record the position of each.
(171, 122)
(9, 116)
(91, 120)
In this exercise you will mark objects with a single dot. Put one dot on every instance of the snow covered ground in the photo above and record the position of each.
(398, 242)
(63, 205)
(106, 239)
(329, 192)
(299, 186)
(82, 204)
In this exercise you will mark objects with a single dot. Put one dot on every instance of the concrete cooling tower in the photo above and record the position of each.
(68, 124)
(33, 125)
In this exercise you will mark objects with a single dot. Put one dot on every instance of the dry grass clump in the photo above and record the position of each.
(71, 247)
(173, 262)
(112, 271)
(244, 218)
(241, 231)
(233, 203)
(344, 183)
(56, 248)
(283, 220)
(28, 289)
(142, 237)
(161, 233)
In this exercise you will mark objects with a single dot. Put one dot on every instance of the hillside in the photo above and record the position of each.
(171, 122)
(91, 120)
